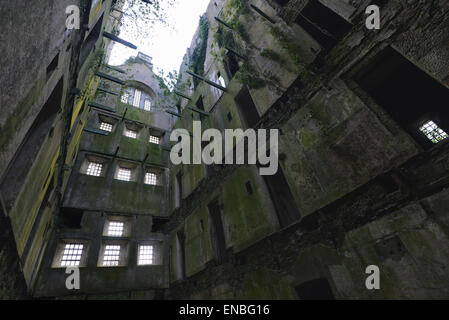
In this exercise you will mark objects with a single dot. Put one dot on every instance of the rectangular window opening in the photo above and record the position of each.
(124, 174)
(155, 140)
(147, 106)
(125, 98)
(146, 253)
(323, 24)
(116, 229)
(71, 257)
(111, 256)
(151, 178)
(106, 126)
(413, 98)
(94, 169)
(137, 96)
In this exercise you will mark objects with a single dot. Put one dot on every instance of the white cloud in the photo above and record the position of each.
(167, 46)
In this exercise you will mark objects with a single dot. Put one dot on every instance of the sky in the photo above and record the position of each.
(167, 45)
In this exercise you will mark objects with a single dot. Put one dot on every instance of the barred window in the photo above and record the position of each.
(145, 255)
(111, 256)
(71, 256)
(115, 228)
(106, 126)
(130, 133)
(151, 178)
(433, 132)
(125, 97)
(147, 106)
(155, 140)
(124, 174)
(94, 169)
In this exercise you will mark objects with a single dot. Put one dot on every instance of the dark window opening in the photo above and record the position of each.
(26, 154)
(218, 240)
(249, 188)
(52, 66)
(247, 108)
(323, 24)
(231, 64)
(181, 259)
(229, 117)
(318, 289)
(72, 217)
(282, 197)
(200, 106)
(408, 94)
(158, 223)
(91, 40)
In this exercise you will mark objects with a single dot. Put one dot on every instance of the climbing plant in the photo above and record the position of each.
(199, 53)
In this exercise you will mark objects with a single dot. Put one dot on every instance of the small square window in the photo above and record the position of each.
(106, 126)
(151, 178)
(124, 174)
(125, 97)
(71, 257)
(155, 140)
(111, 256)
(147, 106)
(145, 255)
(94, 169)
(130, 133)
(433, 132)
(115, 228)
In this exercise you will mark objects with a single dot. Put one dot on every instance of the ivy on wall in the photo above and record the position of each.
(199, 54)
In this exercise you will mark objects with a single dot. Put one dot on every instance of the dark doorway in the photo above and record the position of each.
(318, 289)
(217, 235)
(247, 108)
(323, 24)
(181, 255)
(26, 154)
(408, 94)
(282, 198)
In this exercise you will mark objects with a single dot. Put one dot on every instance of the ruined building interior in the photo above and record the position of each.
(363, 119)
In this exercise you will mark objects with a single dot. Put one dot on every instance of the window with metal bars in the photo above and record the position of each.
(433, 132)
(124, 174)
(71, 257)
(116, 228)
(155, 140)
(146, 255)
(111, 255)
(94, 169)
(130, 133)
(106, 126)
(151, 178)
(125, 97)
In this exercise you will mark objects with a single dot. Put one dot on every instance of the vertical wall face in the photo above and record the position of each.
(349, 134)
(362, 173)
(118, 186)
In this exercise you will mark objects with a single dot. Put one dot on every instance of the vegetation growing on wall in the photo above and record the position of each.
(199, 54)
